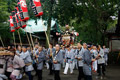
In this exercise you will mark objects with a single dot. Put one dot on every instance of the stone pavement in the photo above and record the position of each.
(112, 73)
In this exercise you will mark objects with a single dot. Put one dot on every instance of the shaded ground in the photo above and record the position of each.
(112, 73)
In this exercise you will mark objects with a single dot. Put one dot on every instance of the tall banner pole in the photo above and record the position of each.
(19, 37)
(33, 44)
(2, 42)
(31, 37)
(32, 40)
(14, 40)
(28, 38)
(46, 33)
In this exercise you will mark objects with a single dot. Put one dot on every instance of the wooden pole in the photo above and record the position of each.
(31, 40)
(33, 45)
(28, 40)
(46, 33)
(19, 37)
(14, 40)
(2, 42)
(46, 36)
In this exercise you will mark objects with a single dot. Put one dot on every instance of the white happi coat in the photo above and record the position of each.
(18, 63)
(106, 51)
(59, 58)
(79, 54)
(102, 59)
(69, 56)
(94, 56)
(27, 59)
(41, 57)
(9, 63)
(87, 59)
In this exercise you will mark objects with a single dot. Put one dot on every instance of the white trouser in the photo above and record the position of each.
(75, 65)
(68, 65)
(106, 60)
(94, 65)
(47, 65)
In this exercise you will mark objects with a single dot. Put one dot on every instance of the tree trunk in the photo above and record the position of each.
(49, 25)
(48, 32)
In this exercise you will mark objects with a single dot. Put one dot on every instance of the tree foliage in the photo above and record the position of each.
(91, 18)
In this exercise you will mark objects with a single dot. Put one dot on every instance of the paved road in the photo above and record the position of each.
(112, 73)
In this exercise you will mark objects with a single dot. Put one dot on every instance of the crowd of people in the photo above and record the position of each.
(23, 60)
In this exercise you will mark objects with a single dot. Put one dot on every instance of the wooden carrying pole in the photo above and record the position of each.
(2, 42)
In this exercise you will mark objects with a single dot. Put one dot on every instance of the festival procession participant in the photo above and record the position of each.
(35, 50)
(9, 47)
(40, 56)
(106, 51)
(50, 57)
(69, 56)
(84, 47)
(36, 47)
(18, 64)
(19, 50)
(63, 51)
(45, 58)
(25, 55)
(87, 63)
(94, 53)
(79, 57)
(9, 63)
(29, 50)
(57, 61)
(2, 64)
(31, 54)
(75, 64)
(101, 61)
